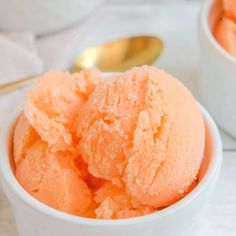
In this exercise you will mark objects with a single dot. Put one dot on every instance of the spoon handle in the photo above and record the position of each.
(17, 84)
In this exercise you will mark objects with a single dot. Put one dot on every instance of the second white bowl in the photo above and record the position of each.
(217, 80)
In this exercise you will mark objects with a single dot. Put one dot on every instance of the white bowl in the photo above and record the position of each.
(33, 218)
(217, 80)
(42, 16)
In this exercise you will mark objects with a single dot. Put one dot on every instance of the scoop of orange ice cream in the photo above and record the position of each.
(225, 33)
(144, 129)
(93, 182)
(24, 137)
(112, 149)
(53, 179)
(53, 104)
(115, 203)
(229, 7)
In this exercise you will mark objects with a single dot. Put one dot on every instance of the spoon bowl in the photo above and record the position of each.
(121, 54)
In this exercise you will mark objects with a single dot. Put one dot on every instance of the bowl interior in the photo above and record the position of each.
(215, 13)
(208, 154)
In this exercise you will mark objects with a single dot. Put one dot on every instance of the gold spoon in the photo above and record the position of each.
(118, 55)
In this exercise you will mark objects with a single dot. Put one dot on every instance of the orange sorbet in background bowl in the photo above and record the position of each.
(225, 26)
(217, 70)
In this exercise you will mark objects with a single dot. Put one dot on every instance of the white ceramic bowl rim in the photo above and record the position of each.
(15, 187)
(204, 19)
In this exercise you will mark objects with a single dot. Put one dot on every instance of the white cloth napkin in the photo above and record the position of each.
(23, 55)
(18, 59)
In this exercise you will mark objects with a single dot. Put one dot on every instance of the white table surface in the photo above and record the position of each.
(176, 24)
